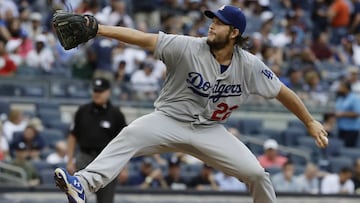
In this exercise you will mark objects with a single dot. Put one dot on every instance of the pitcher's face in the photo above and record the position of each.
(219, 34)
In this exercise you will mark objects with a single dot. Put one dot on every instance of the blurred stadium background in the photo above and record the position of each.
(305, 48)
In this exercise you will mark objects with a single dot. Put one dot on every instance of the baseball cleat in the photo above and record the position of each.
(70, 185)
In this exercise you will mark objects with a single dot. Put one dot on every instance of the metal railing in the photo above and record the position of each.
(13, 175)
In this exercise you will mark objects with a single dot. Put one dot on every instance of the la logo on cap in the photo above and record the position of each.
(98, 82)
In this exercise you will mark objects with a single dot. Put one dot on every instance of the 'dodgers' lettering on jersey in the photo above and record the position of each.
(201, 87)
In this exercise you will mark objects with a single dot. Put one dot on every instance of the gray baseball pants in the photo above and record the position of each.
(158, 133)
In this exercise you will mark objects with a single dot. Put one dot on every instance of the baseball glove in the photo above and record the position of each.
(74, 29)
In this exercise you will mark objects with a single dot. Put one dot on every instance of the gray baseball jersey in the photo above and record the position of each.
(195, 90)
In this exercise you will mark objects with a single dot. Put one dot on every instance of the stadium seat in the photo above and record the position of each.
(297, 160)
(51, 136)
(59, 125)
(353, 153)
(256, 149)
(307, 142)
(33, 90)
(250, 126)
(337, 163)
(273, 170)
(47, 176)
(291, 135)
(47, 105)
(10, 90)
(334, 147)
(296, 124)
(233, 123)
(41, 165)
(4, 107)
(78, 90)
(48, 116)
(58, 90)
(273, 134)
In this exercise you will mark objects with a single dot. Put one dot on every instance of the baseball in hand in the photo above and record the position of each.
(322, 141)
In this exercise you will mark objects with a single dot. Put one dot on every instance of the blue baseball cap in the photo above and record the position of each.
(230, 15)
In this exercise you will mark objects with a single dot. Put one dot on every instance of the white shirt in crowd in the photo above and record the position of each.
(4, 145)
(43, 60)
(308, 186)
(331, 185)
(228, 183)
(132, 56)
(9, 128)
(55, 158)
(144, 83)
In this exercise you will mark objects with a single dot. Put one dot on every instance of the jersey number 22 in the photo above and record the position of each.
(223, 112)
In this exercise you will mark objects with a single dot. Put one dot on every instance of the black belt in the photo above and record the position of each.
(91, 151)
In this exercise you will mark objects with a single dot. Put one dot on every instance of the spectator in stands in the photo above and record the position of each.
(101, 49)
(116, 14)
(59, 155)
(295, 79)
(309, 180)
(354, 25)
(145, 84)
(7, 65)
(294, 49)
(282, 38)
(353, 78)
(272, 55)
(285, 181)
(356, 49)
(347, 111)
(338, 183)
(319, 15)
(271, 157)
(329, 123)
(315, 90)
(356, 176)
(149, 176)
(228, 183)
(34, 28)
(146, 11)
(256, 44)
(133, 57)
(205, 180)
(339, 17)
(4, 146)
(121, 81)
(32, 141)
(12, 48)
(41, 57)
(123, 178)
(21, 161)
(321, 48)
(174, 180)
(345, 52)
(15, 122)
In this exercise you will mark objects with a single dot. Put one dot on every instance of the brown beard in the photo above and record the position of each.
(219, 43)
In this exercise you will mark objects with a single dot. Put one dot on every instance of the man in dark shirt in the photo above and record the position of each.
(174, 179)
(205, 180)
(95, 125)
(148, 176)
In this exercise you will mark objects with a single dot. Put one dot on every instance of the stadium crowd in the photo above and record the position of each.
(313, 46)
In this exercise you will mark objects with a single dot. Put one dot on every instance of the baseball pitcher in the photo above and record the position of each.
(207, 79)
